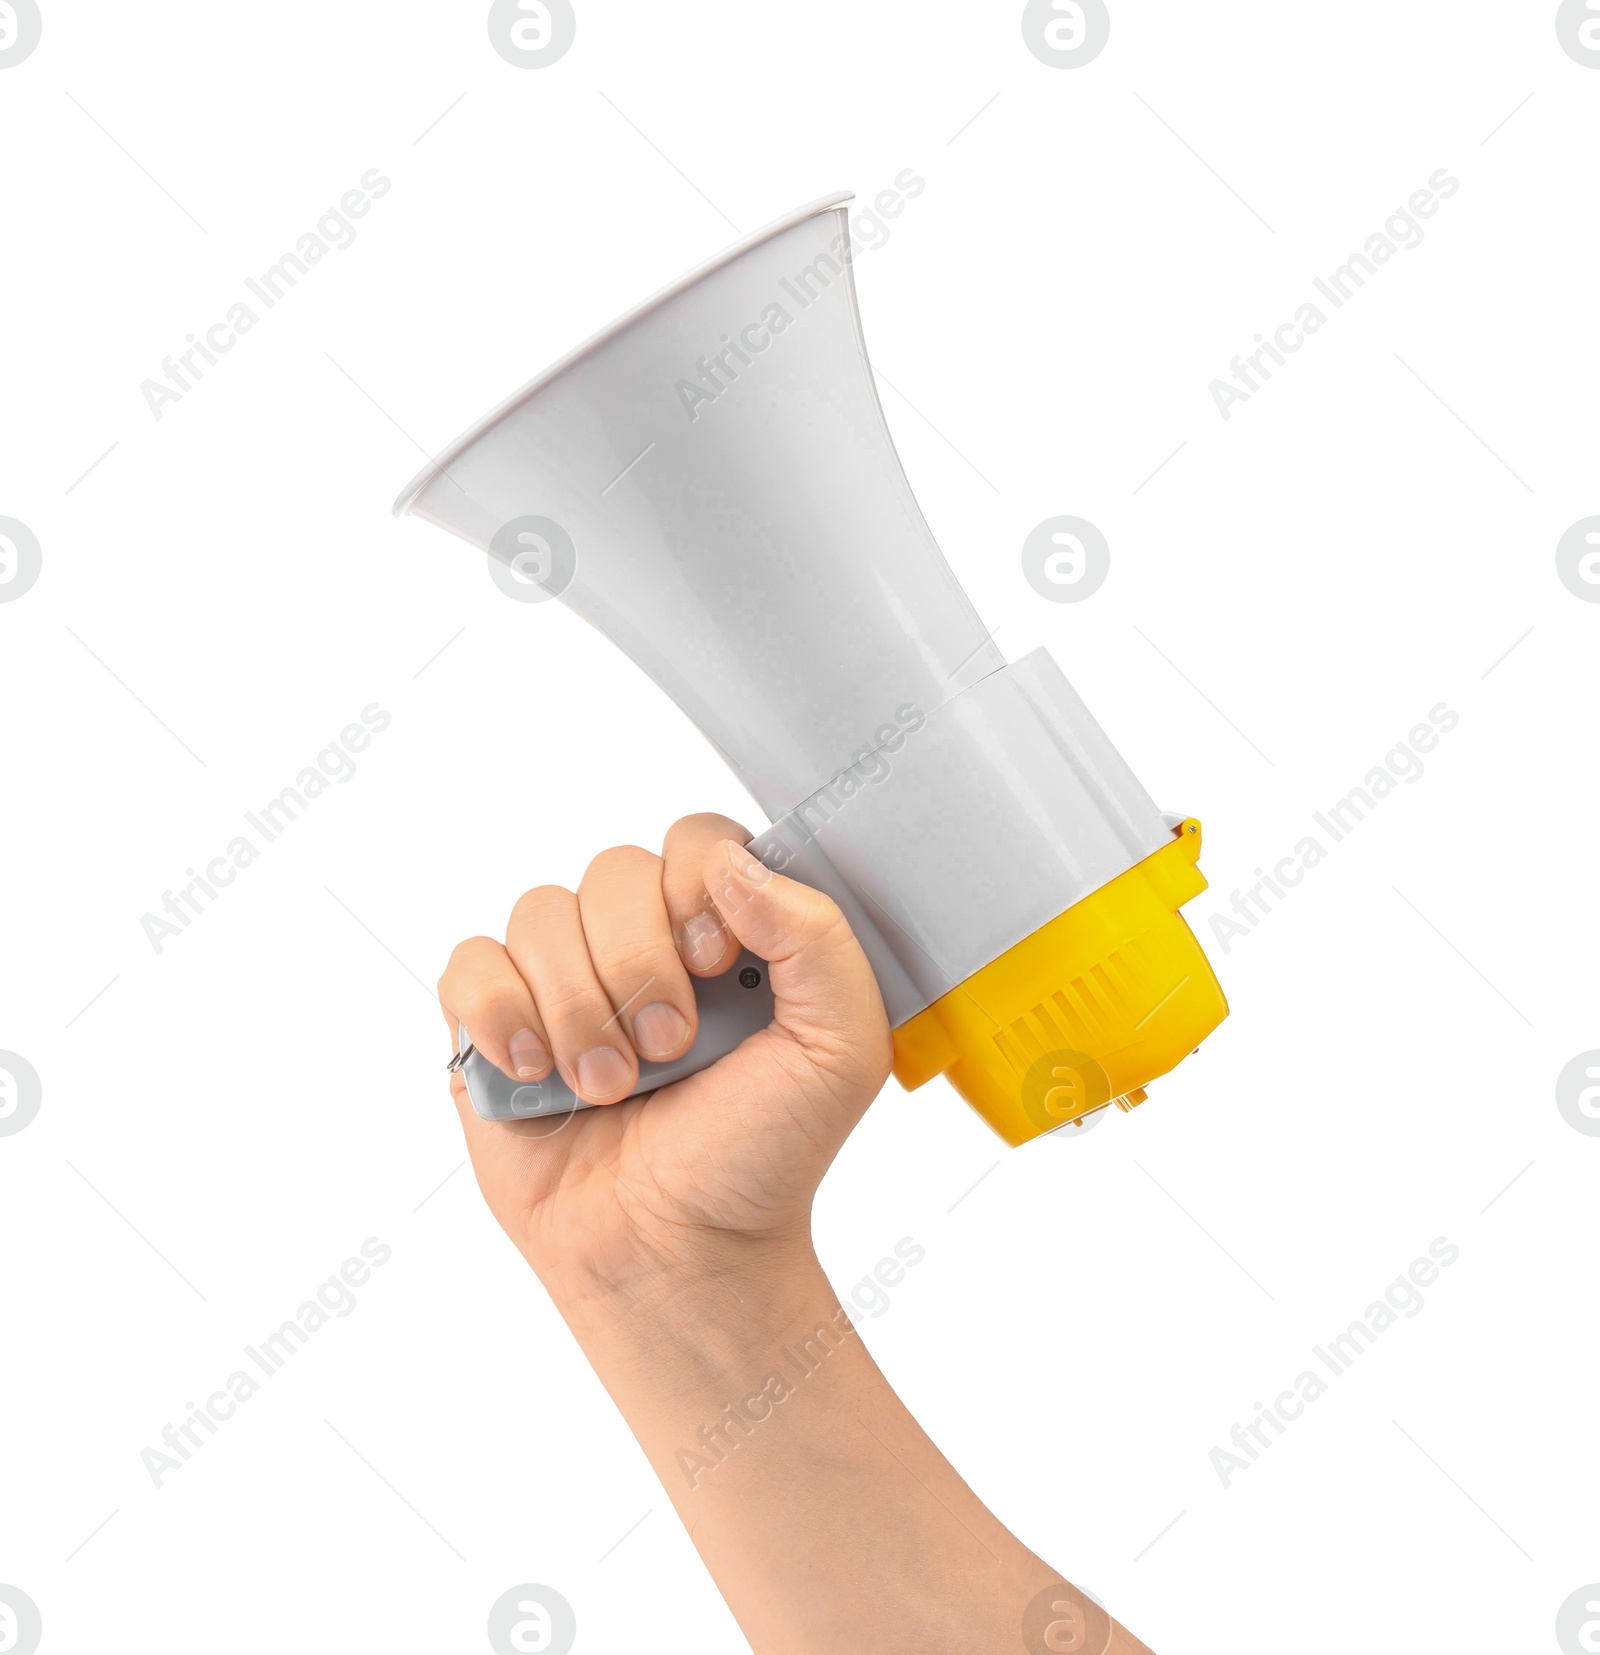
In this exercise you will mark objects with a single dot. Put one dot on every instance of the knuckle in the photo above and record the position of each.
(833, 934)
(466, 949)
(828, 918)
(691, 836)
(479, 1003)
(460, 962)
(703, 821)
(683, 879)
(619, 859)
(569, 1000)
(636, 960)
(538, 905)
(685, 825)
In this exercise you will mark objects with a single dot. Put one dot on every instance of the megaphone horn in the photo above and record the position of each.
(710, 481)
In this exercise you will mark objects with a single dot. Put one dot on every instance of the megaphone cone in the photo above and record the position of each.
(710, 481)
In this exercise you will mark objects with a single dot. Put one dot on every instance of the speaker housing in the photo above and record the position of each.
(711, 482)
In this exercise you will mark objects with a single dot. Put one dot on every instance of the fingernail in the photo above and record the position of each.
(658, 1030)
(602, 1072)
(751, 871)
(529, 1059)
(704, 941)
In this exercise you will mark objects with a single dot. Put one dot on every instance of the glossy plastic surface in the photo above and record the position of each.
(742, 529)
(1085, 1012)
(710, 481)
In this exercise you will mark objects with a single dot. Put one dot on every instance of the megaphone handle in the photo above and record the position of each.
(732, 1007)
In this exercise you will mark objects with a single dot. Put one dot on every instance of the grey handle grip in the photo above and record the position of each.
(732, 1007)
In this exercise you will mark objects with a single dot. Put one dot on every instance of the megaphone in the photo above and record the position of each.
(711, 483)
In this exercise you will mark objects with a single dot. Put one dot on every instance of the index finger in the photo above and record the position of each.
(704, 943)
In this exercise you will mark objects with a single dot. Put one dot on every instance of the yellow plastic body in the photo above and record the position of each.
(1083, 1013)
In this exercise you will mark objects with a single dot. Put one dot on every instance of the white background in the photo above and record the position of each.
(224, 590)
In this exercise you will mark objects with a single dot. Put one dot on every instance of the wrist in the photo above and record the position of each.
(678, 1277)
(697, 1357)
(677, 1348)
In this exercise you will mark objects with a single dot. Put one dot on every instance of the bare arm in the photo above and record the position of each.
(825, 1514)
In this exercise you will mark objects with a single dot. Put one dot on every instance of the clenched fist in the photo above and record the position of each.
(709, 1169)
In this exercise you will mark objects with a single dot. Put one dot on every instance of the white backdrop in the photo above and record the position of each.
(220, 591)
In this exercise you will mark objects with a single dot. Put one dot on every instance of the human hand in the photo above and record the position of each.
(646, 1217)
(715, 1171)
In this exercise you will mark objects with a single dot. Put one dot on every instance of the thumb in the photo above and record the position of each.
(824, 988)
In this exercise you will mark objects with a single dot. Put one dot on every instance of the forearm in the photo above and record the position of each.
(825, 1514)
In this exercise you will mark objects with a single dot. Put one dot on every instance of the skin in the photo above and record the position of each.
(673, 1233)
